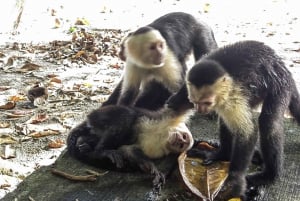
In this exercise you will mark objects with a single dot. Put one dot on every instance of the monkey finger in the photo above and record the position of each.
(207, 161)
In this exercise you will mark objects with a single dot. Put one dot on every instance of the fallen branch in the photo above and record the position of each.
(96, 173)
(91, 177)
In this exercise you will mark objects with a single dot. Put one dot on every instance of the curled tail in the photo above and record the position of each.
(294, 105)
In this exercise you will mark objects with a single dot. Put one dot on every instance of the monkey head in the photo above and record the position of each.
(208, 86)
(180, 139)
(145, 47)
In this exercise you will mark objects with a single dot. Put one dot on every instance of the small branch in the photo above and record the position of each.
(96, 173)
(91, 177)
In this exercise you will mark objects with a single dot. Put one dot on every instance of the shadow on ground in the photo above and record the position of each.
(42, 185)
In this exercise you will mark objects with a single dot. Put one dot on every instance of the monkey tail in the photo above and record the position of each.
(294, 105)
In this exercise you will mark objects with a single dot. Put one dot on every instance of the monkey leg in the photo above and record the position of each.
(114, 97)
(135, 156)
(271, 139)
(223, 153)
(154, 96)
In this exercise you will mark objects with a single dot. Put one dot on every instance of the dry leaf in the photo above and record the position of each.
(7, 139)
(4, 124)
(29, 67)
(10, 61)
(4, 88)
(9, 105)
(57, 23)
(16, 98)
(44, 133)
(56, 144)
(56, 80)
(205, 181)
(40, 117)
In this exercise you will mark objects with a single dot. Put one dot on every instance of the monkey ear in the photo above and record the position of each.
(121, 54)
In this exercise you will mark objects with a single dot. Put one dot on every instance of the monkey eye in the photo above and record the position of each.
(152, 46)
(184, 136)
(207, 103)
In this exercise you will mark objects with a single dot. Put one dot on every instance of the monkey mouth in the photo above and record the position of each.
(203, 109)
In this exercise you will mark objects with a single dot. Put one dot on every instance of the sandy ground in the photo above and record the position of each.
(275, 22)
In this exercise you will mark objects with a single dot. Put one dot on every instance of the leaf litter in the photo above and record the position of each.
(46, 89)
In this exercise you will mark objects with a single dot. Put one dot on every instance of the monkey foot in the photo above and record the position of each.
(259, 179)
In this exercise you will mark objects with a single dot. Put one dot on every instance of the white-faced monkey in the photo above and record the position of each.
(130, 137)
(232, 80)
(155, 58)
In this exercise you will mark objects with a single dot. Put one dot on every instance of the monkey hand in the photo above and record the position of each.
(159, 178)
(115, 157)
(84, 148)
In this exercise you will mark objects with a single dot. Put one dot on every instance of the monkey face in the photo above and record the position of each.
(204, 99)
(209, 97)
(147, 50)
(180, 139)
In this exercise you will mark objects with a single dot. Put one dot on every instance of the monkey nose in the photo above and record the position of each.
(201, 108)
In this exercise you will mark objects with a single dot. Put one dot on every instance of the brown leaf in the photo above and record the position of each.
(29, 67)
(44, 133)
(2, 55)
(9, 105)
(205, 181)
(10, 61)
(4, 88)
(56, 80)
(56, 144)
(38, 118)
(16, 98)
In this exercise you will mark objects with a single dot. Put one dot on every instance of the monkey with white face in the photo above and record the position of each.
(128, 137)
(155, 58)
(231, 81)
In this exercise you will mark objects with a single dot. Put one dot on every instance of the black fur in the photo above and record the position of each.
(264, 78)
(108, 139)
(183, 34)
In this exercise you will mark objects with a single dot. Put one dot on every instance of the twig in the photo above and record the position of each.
(91, 177)
(96, 173)
(31, 199)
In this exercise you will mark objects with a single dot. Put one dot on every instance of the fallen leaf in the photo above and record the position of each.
(9, 105)
(7, 139)
(56, 80)
(16, 98)
(44, 133)
(56, 144)
(38, 118)
(29, 67)
(4, 88)
(10, 61)
(82, 21)
(4, 124)
(205, 181)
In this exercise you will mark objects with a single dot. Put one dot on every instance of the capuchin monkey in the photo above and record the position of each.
(232, 80)
(130, 137)
(156, 57)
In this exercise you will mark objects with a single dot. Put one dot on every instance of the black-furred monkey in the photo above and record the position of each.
(130, 137)
(155, 58)
(232, 80)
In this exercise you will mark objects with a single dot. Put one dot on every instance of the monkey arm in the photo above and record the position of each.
(114, 97)
(180, 100)
(135, 156)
